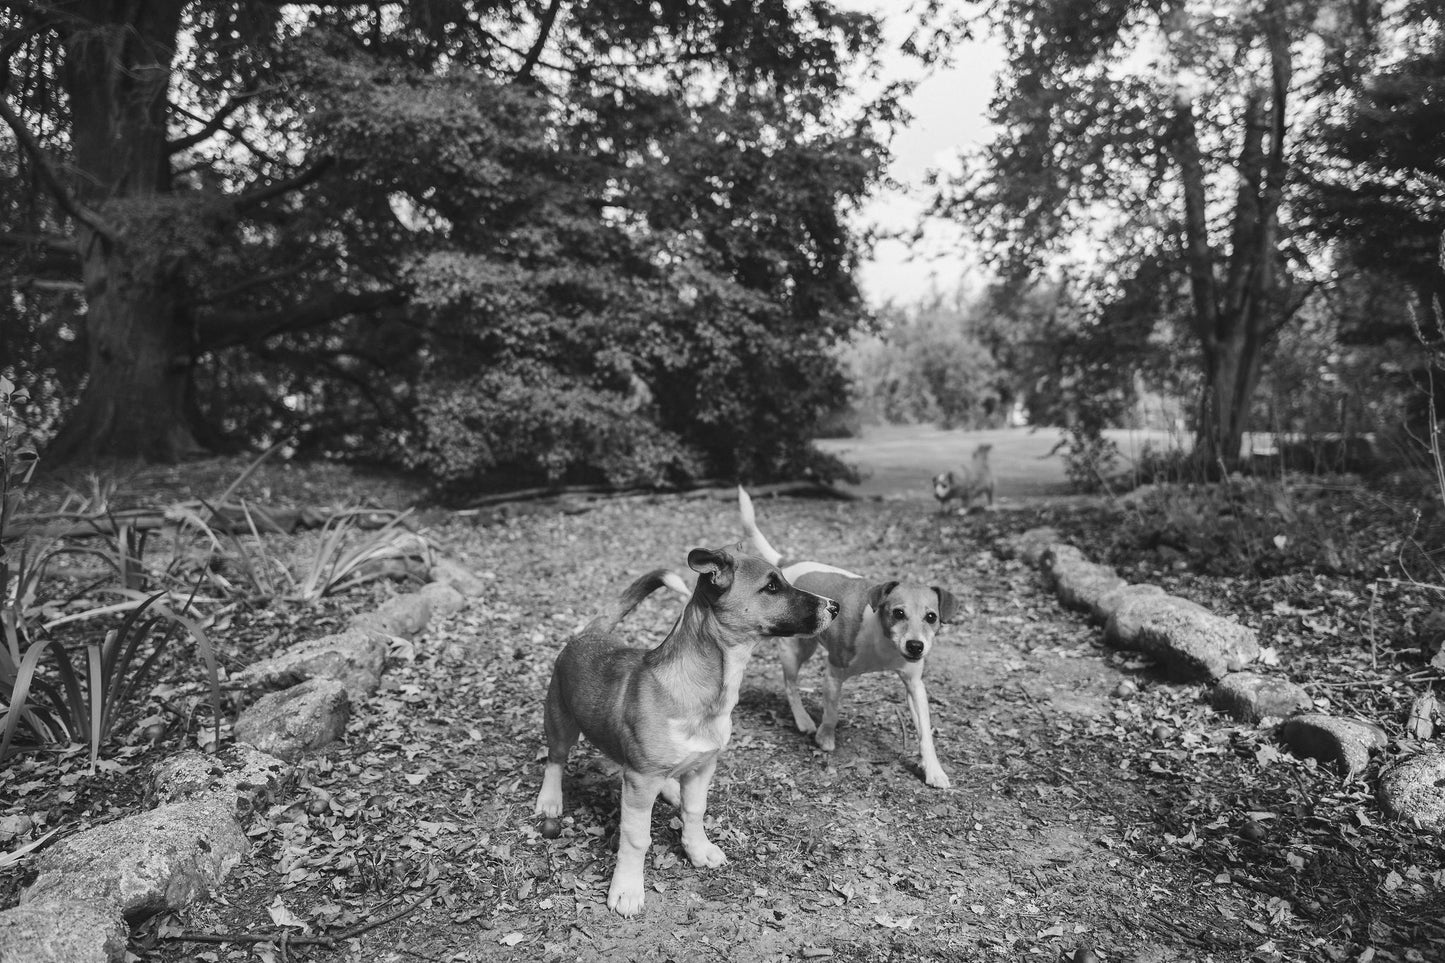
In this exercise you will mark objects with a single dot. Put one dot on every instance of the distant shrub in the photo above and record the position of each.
(532, 420)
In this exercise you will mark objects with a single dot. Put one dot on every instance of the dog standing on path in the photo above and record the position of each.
(665, 714)
(966, 483)
(881, 626)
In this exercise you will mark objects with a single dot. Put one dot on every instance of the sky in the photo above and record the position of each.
(949, 110)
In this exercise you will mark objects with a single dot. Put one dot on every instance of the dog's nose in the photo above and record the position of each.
(913, 648)
(832, 608)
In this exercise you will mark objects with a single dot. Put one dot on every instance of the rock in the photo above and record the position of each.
(458, 577)
(1132, 609)
(1080, 585)
(63, 931)
(240, 775)
(1414, 790)
(1421, 722)
(1345, 742)
(1028, 546)
(1108, 603)
(354, 658)
(145, 863)
(1196, 644)
(1250, 697)
(1056, 556)
(295, 720)
(444, 598)
(404, 616)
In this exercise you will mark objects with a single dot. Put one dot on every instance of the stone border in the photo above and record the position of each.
(1191, 643)
(94, 884)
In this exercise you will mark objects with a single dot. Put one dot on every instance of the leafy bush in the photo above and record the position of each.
(538, 422)
(930, 363)
(92, 692)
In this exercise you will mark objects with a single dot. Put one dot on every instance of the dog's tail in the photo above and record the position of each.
(633, 595)
(750, 526)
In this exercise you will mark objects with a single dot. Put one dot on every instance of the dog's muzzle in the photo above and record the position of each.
(913, 650)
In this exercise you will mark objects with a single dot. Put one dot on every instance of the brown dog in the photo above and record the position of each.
(966, 483)
(666, 713)
(881, 626)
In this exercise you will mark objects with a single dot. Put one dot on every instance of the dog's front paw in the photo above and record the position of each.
(705, 853)
(937, 779)
(625, 897)
(825, 739)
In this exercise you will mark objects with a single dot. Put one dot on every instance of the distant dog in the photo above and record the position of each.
(882, 626)
(665, 714)
(966, 483)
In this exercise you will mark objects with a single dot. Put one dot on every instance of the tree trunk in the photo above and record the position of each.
(1232, 314)
(138, 342)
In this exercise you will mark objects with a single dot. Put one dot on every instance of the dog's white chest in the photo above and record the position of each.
(694, 743)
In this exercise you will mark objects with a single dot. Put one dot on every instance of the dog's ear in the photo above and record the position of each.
(878, 593)
(947, 604)
(717, 566)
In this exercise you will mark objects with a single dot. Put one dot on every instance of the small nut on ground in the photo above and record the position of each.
(551, 828)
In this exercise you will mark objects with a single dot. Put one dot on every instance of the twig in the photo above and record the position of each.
(283, 938)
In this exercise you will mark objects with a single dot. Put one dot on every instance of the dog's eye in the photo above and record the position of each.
(771, 586)
(931, 617)
(899, 614)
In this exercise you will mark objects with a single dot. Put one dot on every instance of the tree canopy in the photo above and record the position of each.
(546, 239)
(1166, 160)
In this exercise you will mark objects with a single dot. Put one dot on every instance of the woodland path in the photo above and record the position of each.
(1077, 818)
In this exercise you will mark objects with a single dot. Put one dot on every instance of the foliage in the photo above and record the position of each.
(931, 363)
(1170, 186)
(343, 560)
(90, 696)
(495, 217)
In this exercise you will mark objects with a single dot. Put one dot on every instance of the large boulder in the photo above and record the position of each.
(354, 658)
(1081, 584)
(1134, 606)
(1111, 601)
(458, 577)
(1414, 790)
(63, 931)
(444, 598)
(240, 775)
(295, 720)
(1334, 739)
(152, 861)
(1250, 697)
(404, 616)
(1196, 644)
(1028, 546)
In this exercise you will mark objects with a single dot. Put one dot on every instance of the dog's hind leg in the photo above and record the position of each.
(933, 773)
(634, 836)
(701, 850)
(561, 731)
(793, 653)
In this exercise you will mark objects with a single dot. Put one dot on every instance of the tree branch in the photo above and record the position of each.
(54, 243)
(260, 195)
(215, 124)
(544, 30)
(63, 197)
(225, 329)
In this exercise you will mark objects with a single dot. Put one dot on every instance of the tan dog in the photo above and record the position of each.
(882, 626)
(665, 714)
(966, 483)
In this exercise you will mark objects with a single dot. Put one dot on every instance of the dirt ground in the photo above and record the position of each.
(1095, 808)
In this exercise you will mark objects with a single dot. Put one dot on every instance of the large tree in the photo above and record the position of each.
(1161, 145)
(494, 226)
